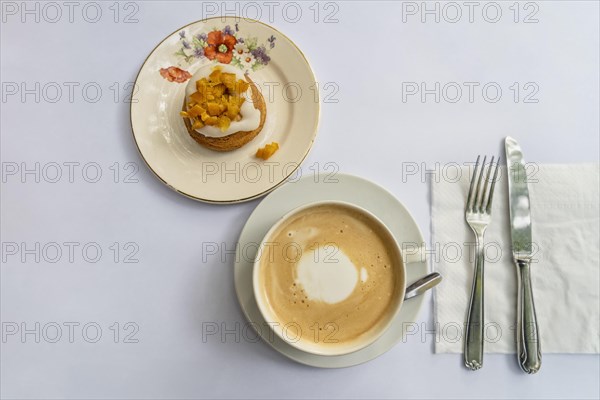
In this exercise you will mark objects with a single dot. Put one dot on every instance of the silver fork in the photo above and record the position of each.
(478, 213)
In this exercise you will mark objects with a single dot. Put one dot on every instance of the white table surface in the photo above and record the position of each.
(171, 293)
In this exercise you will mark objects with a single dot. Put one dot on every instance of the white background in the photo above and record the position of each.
(370, 132)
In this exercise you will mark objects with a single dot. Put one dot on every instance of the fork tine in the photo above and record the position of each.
(479, 193)
(489, 203)
(470, 196)
(484, 194)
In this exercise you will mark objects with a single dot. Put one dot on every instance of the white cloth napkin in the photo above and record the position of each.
(565, 278)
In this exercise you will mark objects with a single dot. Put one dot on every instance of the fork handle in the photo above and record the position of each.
(528, 339)
(474, 326)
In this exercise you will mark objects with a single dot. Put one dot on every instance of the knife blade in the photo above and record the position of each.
(528, 344)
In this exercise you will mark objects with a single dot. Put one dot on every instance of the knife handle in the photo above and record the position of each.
(529, 351)
(474, 326)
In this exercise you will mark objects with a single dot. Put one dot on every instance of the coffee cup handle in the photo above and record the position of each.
(413, 253)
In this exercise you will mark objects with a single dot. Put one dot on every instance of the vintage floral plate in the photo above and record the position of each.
(349, 189)
(278, 68)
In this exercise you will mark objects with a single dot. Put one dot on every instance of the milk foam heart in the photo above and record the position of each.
(327, 274)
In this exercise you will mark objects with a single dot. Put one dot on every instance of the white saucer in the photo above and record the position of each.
(350, 189)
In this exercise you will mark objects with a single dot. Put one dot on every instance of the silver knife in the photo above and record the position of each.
(528, 339)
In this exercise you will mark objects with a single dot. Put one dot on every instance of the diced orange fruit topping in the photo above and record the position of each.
(266, 152)
(217, 100)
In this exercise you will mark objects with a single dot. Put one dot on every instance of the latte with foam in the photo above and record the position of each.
(330, 277)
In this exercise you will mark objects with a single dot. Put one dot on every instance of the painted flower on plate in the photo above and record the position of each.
(247, 60)
(220, 47)
(239, 50)
(227, 46)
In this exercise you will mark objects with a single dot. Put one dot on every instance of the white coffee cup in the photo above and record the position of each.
(305, 342)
